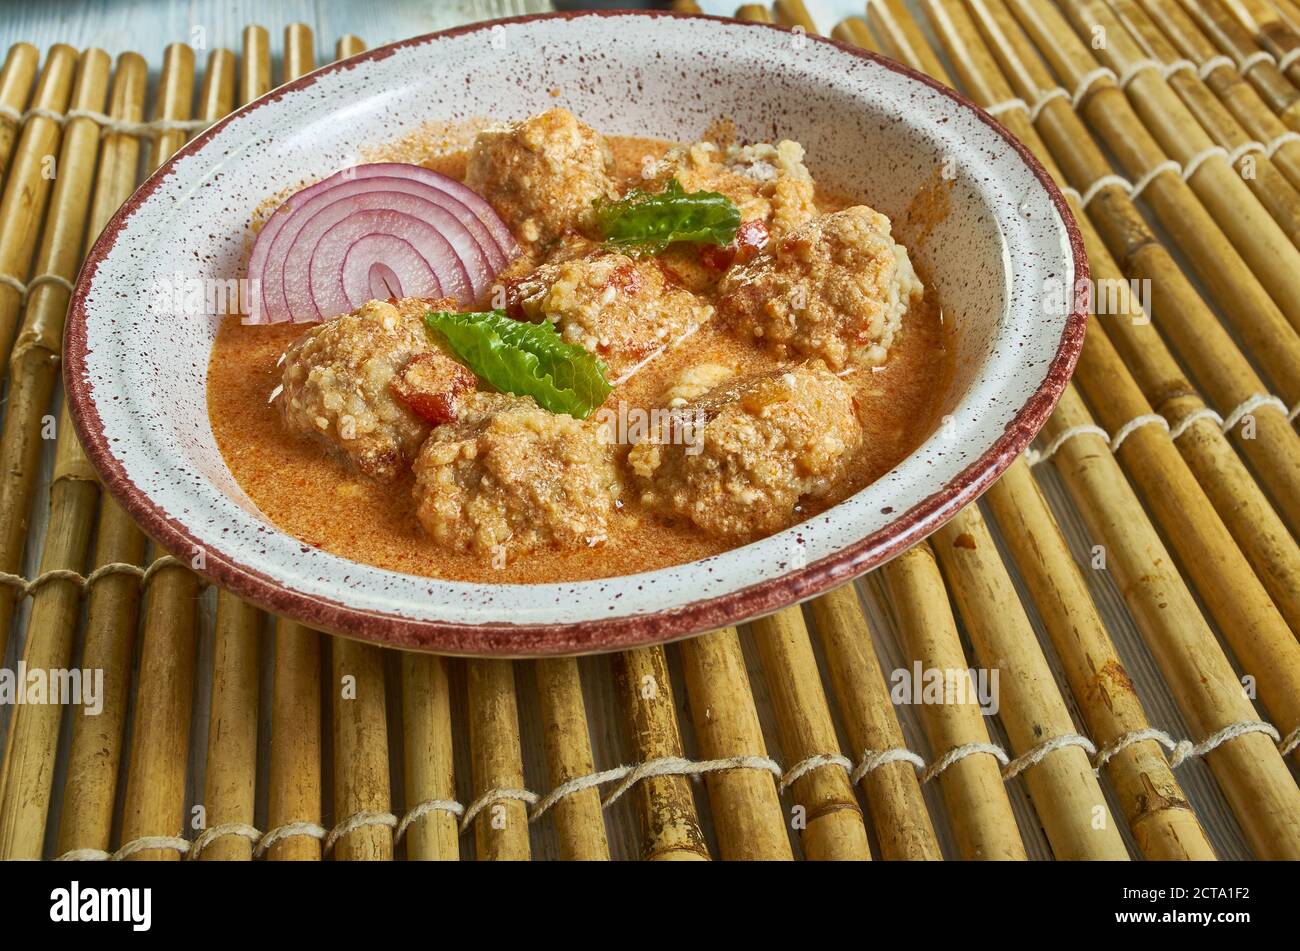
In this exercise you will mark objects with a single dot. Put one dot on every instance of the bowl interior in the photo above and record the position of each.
(964, 201)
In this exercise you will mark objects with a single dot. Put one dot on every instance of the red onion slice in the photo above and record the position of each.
(380, 266)
(461, 241)
(314, 268)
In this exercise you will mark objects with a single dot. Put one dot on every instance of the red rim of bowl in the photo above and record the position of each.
(523, 640)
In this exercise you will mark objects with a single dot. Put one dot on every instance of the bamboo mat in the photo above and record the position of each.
(1124, 579)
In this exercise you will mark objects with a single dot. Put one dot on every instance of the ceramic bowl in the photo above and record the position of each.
(136, 376)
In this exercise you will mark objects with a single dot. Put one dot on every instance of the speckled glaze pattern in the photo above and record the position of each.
(136, 374)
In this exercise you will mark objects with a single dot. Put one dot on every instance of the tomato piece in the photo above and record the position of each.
(431, 386)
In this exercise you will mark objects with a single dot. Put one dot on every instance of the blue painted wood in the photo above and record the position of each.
(147, 26)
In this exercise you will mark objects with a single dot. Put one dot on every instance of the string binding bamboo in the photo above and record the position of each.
(1254, 59)
(25, 289)
(1213, 63)
(628, 776)
(26, 588)
(108, 125)
(1135, 189)
(1036, 457)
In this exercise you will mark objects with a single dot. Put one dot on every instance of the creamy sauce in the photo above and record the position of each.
(313, 497)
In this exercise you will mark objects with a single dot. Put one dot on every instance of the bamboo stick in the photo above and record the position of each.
(1269, 248)
(578, 816)
(295, 776)
(1260, 71)
(854, 30)
(430, 771)
(669, 827)
(348, 45)
(155, 780)
(793, 13)
(22, 209)
(894, 799)
(501, 828)
(832, 824)
(1239, 96)
(230, 771)
(972, 787)
(95, 750)
(903, 40)
(15, 83)
(746, 809)
(1249, 768)
(1163, 824)
(1064, 788)
(299, 51)
(1189, 325)
(255, 64)
(112, 601)
(1244, 300)
(1257, 169)
(754, 12)
(1269, 29)
(294, 779)
(361, 783)
(33, 729)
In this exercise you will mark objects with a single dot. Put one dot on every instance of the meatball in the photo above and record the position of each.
(369, 384)
(737, 460)
(768, 183)
(508, 477)
(836, 287)
(542, 174)
(623, 309)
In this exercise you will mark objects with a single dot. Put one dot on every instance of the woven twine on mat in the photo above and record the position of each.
(625, 777)
(26, 588)
(1135, 189)
(1234, 418)
(108, 125)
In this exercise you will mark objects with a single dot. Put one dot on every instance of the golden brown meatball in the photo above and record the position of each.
(509, 477)
(836, 287)
(542, 174)
(368, 384)
(738, 460)
(625, 310)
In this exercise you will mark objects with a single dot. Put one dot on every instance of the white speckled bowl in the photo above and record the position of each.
(136, 376)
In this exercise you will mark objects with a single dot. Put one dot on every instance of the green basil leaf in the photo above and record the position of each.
(525, 359)
(651, 221)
